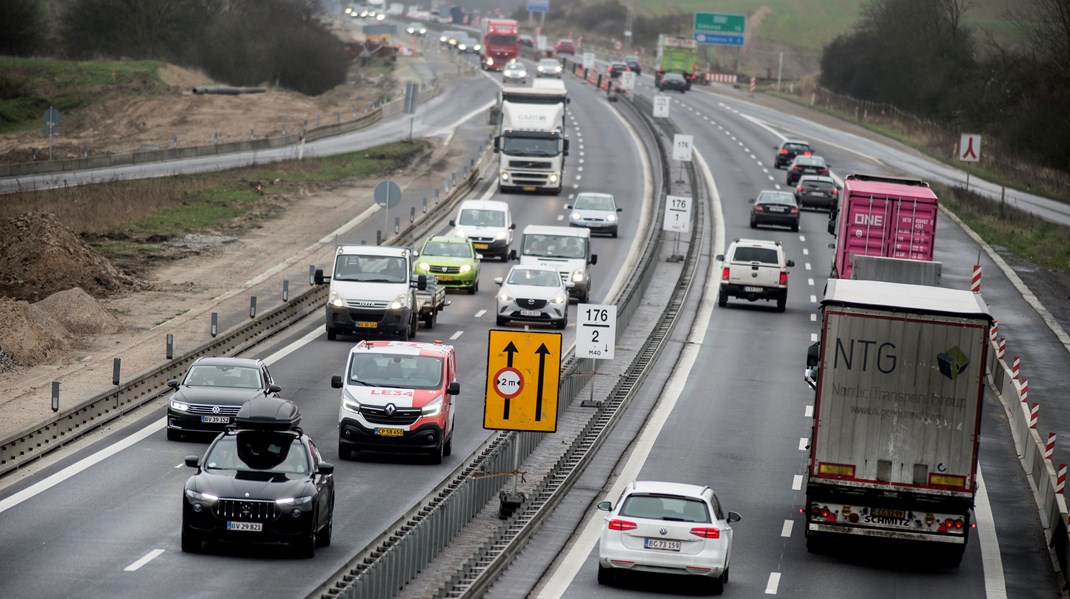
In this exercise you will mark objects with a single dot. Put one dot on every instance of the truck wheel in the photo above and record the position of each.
(722, 299)
(429, 320)
(782, 303)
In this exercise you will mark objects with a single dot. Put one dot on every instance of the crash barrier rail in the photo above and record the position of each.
(1034, 452)
(406, 548)
(23, 447)
(367, 119)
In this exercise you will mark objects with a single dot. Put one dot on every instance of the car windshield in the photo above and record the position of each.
(370, 269)
(763, 255)
(555, 246)
(471, 217)
(515, 67)
(401, 371)
(258, 451)
(665, 507)
(549, 62)
(776, 197)
(530, 146)
(534, 278)
(810, 160)
(594, 202)
(235, 377)
(448, 249)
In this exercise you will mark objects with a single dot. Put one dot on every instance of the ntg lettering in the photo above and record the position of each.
(883, 358)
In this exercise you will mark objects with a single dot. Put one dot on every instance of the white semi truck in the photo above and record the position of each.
(531, 139)
(899, 379)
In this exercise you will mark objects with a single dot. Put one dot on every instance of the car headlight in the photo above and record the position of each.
(336, 300)
(500, 235)
(578, 276)
(380, 17)
(181, 406)
(307, 499)
(576, 216)
(505, 297)
(350, 403)
(424, 266)
(560, 299)
(198, 496)
(553, 177)
(399, 302)
(460, 46)
(505, 176)
(433, 407)
(443, 39)
(466, 267)
(611, 218)
(539, 69)
(478, 47)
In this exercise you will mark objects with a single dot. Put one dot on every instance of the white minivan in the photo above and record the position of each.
(566, 249)
(488, 224)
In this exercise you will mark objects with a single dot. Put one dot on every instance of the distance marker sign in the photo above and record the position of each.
(523, 374)
(596, 331)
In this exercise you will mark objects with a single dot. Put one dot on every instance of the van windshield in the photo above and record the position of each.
(555, 246)
(471, 217)
(370, 269)
(401, 371)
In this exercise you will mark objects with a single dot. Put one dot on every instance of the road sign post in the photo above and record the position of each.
(969, 150)
(719, 29)
(678, 220)
(596, 337)
(661, 107)
(682, 148)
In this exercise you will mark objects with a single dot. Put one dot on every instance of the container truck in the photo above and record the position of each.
(899, 380)
(883, 216)
(501, 43)
(531, 139)
(676, 55)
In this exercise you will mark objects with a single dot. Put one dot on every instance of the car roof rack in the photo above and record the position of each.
(269, 414)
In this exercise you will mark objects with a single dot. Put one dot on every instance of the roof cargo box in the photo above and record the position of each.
(268, 413)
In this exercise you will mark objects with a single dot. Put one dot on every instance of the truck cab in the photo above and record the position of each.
(566, 249)
(531, 139)
(372, 292)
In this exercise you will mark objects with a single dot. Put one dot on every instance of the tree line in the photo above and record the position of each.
(238, 42)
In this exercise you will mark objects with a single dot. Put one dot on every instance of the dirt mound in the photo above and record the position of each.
(39, 256)
(80, 313)
(29, 335)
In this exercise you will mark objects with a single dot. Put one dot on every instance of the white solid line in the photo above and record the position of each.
(296, 345)
(456, 335)
(796, 481)
(141, 562)
(774, 582)
(802, 443)
(809, 411)
(786, 530)
(991, 560)
(480, 313)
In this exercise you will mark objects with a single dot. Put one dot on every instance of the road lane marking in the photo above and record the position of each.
(813, 318)
(144, 560)
(810, 282)
(813, 338)
(456, 335)
(786, 530)
(806, 252)
(808, 267)
(480, 313)
(991, 560)
(796, 481)
(802, 443)
(809, 411)
(774, 582)
(813, 299)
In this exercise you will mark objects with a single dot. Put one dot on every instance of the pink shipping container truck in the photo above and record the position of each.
(883, 216)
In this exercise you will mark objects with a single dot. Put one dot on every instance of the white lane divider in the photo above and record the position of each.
(456, 335)
(802, 443)
(774, 582)
(144, 560)
(806, 252)
(480, 313)
(561, 217)
(809, 411)
(808, 267)
(796, 481)
(813, 318)
(786, 530)
(813, 338)
(810, 282)
(813, 299)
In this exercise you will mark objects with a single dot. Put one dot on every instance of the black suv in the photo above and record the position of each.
(806, 165)
(789, 149)
(212, 392)
(674, 81)
(634, 64)
(616, 68)
(261, 481)
(815, 191)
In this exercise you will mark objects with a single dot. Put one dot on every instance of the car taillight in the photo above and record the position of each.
(794, 210)
(758, 208)
(798, 189)
(807, 153)
(706, 533)
(797, 168)
(724, 274)
(783, 277)
(783, 152)
(824, 171)
(835, 191)
(622, 525)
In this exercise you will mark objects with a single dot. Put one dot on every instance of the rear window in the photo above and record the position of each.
(763, 255)
(777, 198)
(822, 185)
(665, 507)
(797, 147)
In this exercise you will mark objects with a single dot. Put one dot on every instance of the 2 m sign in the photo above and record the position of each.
(596, 331)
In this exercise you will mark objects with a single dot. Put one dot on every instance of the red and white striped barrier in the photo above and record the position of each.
(1049, 448)
(993, 332)
(719, 77)
(975, 282)
(592, 76)
(1034, 413)
(1016, 367)
(604, 83)
(1060, 479)
(1001, 348)
(578, 71)
(1023, 391)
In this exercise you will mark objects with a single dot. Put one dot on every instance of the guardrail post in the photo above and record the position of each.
(116, 369)
(311, 275)
(425, 205)
(170, 347)
(412, 214)
(55, 396)
(378, 237)
(397, 225)
(437, 192)
(285, 290)
(215, 324)
(252, 306)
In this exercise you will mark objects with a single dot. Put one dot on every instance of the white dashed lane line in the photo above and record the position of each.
(813, 318)
(144, 560)
(813, 299)
(808, 267)
(809, 414)
(456, 335)
(480, 313)
(797, 480)
(813, 338)
(810, 282)
(774, 582)
(786, 530)
(802, 443)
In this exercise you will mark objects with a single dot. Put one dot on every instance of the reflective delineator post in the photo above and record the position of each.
(1016, 367)
(1049, 447)
(975, 282)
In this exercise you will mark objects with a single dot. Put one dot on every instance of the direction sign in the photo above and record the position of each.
(709, 22)
(718, 39)
(627, 80)
(387, 194)
(677, 215)
(661, 106)
(588, 60)
(970, 147)
(523, 374)
(596, 331)
(538, 5)
(682, 147)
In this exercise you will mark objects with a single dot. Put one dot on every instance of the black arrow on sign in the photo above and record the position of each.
(509, 349)
(543, 352)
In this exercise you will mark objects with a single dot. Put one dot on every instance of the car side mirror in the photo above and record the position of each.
(620, 209)
(479, 256)
(453, 223)
(719, 257)
(173, 385)
(568, 206)
(454, 388)
(569, 284)
(325, 468)
(790, 263)
(594, 259)
(498, 280)
(734, 517)
(336, 382)
(318, 277)
(273, 388)
(193, 461)
(605, 506)
(512, 226)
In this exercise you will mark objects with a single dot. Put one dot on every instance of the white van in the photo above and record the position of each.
(566, 249)
(488, 224)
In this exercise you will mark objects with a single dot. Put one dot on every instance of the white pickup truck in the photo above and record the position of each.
(754, 269)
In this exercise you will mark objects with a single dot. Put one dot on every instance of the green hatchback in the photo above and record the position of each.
(452, 260)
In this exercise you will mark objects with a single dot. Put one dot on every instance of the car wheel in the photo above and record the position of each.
(614, 234)
(722, 298)
(447, 449)
(795, 227)
(306, 545)
(345, 453)
(435, 457)
(753, 224)
(717, 585)
(173, 434)
(323, 537)
(502, 321)
(191, 541)
(331, 335)
(606, 576)
(561, 324)
(474, 288)
(782, 303)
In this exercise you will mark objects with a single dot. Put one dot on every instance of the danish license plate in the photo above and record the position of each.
(530, 313)
(389, 432)
(215, 419)
(481, 246)
(245, 526)
(886, 513)
(529, 188)
(661, 544)
(444, 279)
(364, 324)
(752, 289)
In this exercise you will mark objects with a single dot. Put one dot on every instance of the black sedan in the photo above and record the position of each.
(212, 392)
(634, 64)
(261, 481)
(674, 81)
(789, 149)
(775, 208)
(616, 69)
(816, 191)
(806, 165)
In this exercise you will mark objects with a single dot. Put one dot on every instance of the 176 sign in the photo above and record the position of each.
(596, 331)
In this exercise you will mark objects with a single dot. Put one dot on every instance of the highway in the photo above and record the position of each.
(104, 519)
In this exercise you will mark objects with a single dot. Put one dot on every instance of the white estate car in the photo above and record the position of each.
(533, 294)
(668, 528)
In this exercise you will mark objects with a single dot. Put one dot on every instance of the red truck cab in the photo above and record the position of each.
(501, 43)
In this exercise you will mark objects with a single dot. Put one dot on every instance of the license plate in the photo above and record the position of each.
(530, 313)
(363, 324)
(529, 188)
(215, 419)
(444, 278)
(886, 513)
(661, 544)
(389, 432)
(245, 526)
(481, 246)
(777, 210)
(752, 289)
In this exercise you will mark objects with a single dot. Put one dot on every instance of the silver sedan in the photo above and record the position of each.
(533, 294)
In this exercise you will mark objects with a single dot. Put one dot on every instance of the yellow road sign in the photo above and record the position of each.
(523, 372)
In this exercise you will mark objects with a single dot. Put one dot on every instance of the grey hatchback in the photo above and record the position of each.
(816, 191)
(773, 207)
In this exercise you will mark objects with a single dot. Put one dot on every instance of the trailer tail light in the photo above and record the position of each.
(622, 525)
(724, 274)
(706, 533)
(846, 470)
(783, 277)
(822, 513)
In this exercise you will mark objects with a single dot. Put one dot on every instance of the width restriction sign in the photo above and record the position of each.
(596, 331)
(523, 375)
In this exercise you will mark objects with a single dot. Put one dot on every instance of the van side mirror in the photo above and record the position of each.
(594, 259)
(318, 277)
(497, 143)
(512, 226)
(453, 223)
(454, 388)
(790, 263)
(336, 382)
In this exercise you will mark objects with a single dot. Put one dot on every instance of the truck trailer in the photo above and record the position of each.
(899, 380)
(883, 216)
(531, 139)
(676, 55)
(501, 43)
